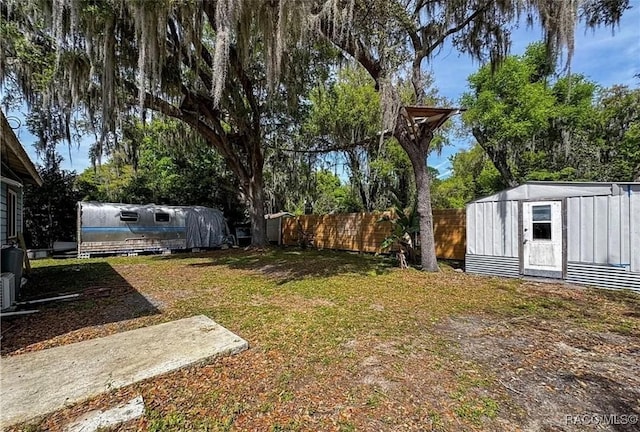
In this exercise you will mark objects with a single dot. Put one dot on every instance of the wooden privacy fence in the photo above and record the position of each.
(361, 232)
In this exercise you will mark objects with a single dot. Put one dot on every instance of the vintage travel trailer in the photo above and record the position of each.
(108, 228)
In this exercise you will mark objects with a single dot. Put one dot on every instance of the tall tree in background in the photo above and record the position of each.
(523, 120)
(209, 64)
(618, 134)
(50, 209)
(345, 117)
(534, 125)
(216, 64)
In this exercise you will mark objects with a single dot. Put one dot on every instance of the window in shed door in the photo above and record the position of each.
(541, 218)
(162, 217)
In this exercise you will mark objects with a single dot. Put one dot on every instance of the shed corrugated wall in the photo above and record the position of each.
(603, 239)
(598, 230)
(493, 266)
(492, 229)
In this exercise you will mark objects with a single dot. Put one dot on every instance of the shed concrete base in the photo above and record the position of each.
(42, 382)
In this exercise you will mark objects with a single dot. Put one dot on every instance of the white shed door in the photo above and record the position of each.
(542, 238)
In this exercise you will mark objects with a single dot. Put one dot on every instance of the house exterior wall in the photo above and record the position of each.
(20, 206)
(3, 213)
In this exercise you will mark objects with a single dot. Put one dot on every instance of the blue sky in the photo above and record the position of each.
(603, 56)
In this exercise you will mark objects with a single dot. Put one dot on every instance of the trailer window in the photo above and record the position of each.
(162, 217)
(128, 216)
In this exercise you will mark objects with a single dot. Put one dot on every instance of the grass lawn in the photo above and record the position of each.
(347, 342)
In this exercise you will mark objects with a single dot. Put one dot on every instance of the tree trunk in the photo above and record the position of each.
(255, 196)
(356, 176)
(427, 241)
(248, 169)
(417, 153)
(498, 157)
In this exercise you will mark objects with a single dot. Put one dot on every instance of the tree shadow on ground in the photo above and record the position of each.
(611, 399)
(286, 265)
(104, 297)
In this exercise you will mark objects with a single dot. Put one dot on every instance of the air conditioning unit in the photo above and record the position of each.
(7, 290)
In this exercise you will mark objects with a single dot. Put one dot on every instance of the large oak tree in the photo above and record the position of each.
(216, 64)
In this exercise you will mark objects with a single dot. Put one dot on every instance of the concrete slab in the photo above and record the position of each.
(35, 384)
(98, 419)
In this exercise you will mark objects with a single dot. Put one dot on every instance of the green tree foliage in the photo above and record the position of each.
(108, 182)
(345, 117)
(185, 173)
(331, 196)
(50, 209)
(527, 124)
(534, 126)
(405, 223)
(289, 180)
(473, 175)
(618, 135)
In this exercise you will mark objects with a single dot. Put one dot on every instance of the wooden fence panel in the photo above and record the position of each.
(450, 233)
(290, 231)
(374, 232)
(361, 232)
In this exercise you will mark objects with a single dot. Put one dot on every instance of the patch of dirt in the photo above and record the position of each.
(565, 378)
(412, 379)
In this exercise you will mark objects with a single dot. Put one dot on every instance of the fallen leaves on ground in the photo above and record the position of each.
(344, 342)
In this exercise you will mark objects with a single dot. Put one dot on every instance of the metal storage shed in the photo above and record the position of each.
(274, 226)
(584, 233)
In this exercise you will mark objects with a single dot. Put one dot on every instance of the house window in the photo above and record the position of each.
(12, 214)
(162, 217)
